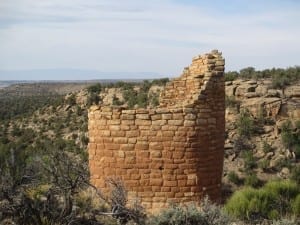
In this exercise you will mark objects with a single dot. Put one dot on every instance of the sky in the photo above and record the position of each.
(142, 37)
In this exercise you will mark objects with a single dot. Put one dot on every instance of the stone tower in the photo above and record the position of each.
(172, 153)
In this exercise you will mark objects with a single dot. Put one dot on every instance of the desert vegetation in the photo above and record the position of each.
(44, 177)
(280, 77)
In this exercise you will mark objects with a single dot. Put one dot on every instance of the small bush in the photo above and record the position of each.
(275, 199)
(154, 99)
(234, 178)
(284, 188)
(209, 214)
(142, 99)
(248, 73)
(249, 160)
(116, 101)
(290, 137)
(287, 139)
(177, 215)
(245, 124)
(93, 98)
(279, 81)
(267, 147)
(283, 163)
(296, 205)
(252, 180)
(264, 164)
(231, 76)
(241, 143)
(238, 205)
(160, 82)
(295, 174)
(96, 88)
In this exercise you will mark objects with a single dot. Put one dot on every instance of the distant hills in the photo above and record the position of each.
(72, 74)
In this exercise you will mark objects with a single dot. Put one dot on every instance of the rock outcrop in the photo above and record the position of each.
(270, 109)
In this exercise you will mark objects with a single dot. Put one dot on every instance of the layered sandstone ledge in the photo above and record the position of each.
(173, 153)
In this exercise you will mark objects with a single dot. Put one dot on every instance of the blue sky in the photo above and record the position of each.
(158, 36)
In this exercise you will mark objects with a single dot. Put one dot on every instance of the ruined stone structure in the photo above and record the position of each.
(172, 153)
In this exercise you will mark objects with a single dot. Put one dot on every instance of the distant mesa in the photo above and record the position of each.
(72, 74)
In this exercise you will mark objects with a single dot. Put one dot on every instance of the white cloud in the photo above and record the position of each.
(160, 36)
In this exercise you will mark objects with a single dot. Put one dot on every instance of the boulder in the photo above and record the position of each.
(291, 109)
(252, 82)
(273, 93)
(270, 106)
(230, 90)
(292, 91)
(251, 95)
(261, 89)
(228, 83)
(242, 89)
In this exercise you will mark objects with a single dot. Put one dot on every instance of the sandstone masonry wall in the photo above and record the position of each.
(173, 153)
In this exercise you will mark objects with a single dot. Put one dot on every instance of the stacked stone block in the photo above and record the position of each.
(173, 153)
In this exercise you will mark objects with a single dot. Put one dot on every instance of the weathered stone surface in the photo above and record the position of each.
(292, 91)
(261, 90)
(230, 90)
(270, 107)
(171, 153)
(245, 88)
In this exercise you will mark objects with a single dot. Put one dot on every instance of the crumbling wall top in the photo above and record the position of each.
(186, 89)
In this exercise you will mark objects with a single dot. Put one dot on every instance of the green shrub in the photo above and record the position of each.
(249, 160)
(154, 99)
(252, 180)
(234, 178)
(287, 139)
(146, 85)
(93, 98)
(290, 137)
(245, 124)
(238, 205)
(247, 73)
(280, 77)
(295, 174)
(93, 94)
(231, 75)
(130, 96)
(96, 88)
(296, 205)
(283, 188)
(160, 82)
(241, 143)
(142, 99)
(116, 101)
(283, 163)
(275, 199)
(279, 81)
(264, 164)
(267, 147)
